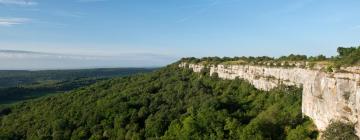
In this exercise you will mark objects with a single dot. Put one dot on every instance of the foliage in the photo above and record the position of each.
(317, 58)
(171, 103)
(293, 57)
(51, 82)
(329, 69)
(347, 57)
(26, 92)
(340, 131)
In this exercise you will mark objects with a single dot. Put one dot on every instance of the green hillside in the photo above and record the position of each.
(171, 103)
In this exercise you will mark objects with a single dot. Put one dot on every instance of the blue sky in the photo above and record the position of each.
(161, 31)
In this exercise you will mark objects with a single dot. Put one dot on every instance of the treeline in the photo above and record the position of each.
(346, 57)
(171, 103)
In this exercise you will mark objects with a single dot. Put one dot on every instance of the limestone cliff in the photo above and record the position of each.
(326, 96)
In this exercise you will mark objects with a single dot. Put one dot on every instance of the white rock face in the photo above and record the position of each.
(326, 96)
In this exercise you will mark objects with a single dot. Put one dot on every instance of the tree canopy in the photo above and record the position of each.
(171, 103)
(346, 57)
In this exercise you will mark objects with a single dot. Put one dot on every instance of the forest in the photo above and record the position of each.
(170, 103)
(24, 85)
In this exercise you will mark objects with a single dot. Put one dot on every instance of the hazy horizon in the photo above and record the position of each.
(29, 60)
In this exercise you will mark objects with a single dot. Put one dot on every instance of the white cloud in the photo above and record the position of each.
(40, 55)
(13, 21)
(18, 2)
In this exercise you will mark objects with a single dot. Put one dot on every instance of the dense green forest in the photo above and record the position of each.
(26, 85)
(170, 103)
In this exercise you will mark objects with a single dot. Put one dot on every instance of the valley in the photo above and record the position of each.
(24, 85)
(292, 97)
(170, 103)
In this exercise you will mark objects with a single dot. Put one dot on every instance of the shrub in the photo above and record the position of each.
(312, 65)
(340, 131)
(329, 69)
(347, 95)
(215, 75)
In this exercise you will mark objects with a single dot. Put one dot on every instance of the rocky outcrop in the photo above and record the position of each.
(326, 96)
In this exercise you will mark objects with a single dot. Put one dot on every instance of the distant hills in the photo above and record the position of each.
(38, 60)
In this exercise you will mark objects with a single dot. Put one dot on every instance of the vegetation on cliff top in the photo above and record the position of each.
(171, 103)
(346, 57)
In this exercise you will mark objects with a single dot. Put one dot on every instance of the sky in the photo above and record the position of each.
(63, 34)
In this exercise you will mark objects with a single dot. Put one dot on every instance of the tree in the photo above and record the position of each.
(345, 51)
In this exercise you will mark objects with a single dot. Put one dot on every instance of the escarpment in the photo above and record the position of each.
(326, 95)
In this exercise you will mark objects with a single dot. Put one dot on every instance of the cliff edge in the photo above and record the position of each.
(326, 96)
